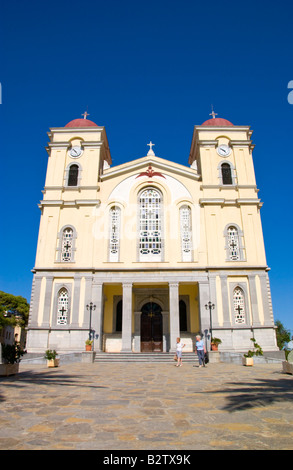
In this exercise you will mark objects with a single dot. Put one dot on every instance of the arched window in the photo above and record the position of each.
(233, 243)
(185, 231)
(239, 305)
(62, 307)
(73, 175)
(226, 173)
(114, 233)
(66, 245)
(150, 225)
(182, 315)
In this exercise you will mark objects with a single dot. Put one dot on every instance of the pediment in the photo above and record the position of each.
(150, 169)
(142, 165)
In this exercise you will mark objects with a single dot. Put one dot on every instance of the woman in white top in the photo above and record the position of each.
(179, 347)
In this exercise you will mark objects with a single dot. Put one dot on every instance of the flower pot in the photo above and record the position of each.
(9, 369)
(88, 347)
(53, 362)
(247, 361)
(287, 367)
(214, 347)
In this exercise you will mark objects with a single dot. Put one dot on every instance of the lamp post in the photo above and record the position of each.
(90, 307)
(209, 306)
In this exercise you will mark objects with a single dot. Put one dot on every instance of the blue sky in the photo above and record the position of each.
(146, 71)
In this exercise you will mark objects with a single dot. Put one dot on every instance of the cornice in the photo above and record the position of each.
(75, 203)
(230, 202)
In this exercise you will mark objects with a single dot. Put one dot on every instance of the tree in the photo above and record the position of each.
(17, 307)
(283, 335)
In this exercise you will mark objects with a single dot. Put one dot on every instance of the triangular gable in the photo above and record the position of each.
(149, 163)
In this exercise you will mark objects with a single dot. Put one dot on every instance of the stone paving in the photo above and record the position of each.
(131, 406)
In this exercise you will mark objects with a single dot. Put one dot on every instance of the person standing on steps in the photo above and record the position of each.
(179, 347)
(200, 350)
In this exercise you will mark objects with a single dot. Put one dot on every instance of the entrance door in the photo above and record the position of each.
(151, 330)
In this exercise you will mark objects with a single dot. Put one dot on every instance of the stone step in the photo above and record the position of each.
(142, 357)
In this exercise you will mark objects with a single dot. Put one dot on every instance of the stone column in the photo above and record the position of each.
(204, 297)
(225, 301)
(35, 302)
(76, 297)
(174, 314)
(253, 300)
(48, 300)
(87, 300)
(265, 292)
(126, 317)
(97, 315)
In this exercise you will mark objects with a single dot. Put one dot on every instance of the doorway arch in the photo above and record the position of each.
(151, 328)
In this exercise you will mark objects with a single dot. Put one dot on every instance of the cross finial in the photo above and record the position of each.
(85, 114)
(151, 145)
(151, 152)
(213, 113)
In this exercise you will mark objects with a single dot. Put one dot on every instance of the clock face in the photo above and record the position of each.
(75, 152)
(224, 150)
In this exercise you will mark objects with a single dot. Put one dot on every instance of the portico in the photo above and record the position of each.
(153, 314)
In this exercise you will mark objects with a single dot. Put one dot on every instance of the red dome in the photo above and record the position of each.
(81, 123)
(217, 122)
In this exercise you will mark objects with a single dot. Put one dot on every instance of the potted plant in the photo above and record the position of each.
(11, 354)
(247, 359)
(52, 360)
(288, 363)
(88, 345)
(215, 343)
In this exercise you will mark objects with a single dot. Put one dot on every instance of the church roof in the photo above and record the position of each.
(217, 122)
(81, 123)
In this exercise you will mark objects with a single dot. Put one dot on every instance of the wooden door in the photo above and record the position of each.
(151, 328)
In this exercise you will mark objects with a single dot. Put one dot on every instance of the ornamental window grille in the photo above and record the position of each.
(73, 175)
(233, 243)
(62, 313)
(185, 230)
(226, 173)
(67, 245)
(115, 213)
(150, 226)
(239, 305)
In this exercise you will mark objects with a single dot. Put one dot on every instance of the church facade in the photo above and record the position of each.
(135, 255)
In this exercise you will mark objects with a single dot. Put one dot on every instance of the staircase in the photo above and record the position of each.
(111, 358)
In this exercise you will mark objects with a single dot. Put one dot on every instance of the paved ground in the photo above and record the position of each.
(147, 407)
